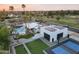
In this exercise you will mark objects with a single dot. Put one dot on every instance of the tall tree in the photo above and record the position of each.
(23, 6)
(11, 8)
(24, 16)
(4, 37)
(50, 14)
(3, 15)
(58, 18)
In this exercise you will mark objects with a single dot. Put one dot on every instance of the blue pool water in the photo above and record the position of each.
(72, 45)
(69, 46)
(60, 50)
(20, 30)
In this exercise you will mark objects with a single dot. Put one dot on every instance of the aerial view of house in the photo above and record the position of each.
(42, 30)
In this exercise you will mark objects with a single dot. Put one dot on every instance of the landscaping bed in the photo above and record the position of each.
(20, 50)
(36, 47)
(27, 36)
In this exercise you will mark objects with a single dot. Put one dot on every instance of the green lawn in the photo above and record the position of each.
(69, 22)
(36, 47)
(25, 36)
(63, 20)
(20, 50)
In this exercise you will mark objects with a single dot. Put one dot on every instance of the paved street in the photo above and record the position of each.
(74, 35)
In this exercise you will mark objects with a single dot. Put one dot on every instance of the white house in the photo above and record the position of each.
(21, 28)
(33, 25)
(53, 32)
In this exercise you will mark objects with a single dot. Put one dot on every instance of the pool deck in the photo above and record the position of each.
(50, 44)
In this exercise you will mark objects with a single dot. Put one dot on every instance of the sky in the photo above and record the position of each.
(37, 7)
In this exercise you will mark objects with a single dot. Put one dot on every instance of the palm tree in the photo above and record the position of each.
(24, 17)
(23, 6)
(11, 8)
(3, 15)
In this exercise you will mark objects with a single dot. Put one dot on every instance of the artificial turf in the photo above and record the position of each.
(37, 46)
(20, 49)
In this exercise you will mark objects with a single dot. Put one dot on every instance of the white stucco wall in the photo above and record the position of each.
(32, 25)
(54, 34)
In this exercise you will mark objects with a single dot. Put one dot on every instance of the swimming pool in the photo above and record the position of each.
(69, 46)
(72, 45)
(60, 50)
(20, 30)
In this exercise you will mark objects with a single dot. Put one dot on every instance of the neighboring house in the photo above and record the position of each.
(34, 26)
(13, 15)
(21, 28)
(53, 32)
(10, 15)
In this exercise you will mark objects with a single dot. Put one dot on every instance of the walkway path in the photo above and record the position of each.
(37, 36)
(26, 48)
(13, 50)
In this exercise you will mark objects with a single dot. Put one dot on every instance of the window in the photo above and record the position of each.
(47, 36)
(59, 36)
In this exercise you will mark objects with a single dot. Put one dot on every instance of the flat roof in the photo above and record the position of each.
(51, 29)
(59, 27)
(54, 28)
